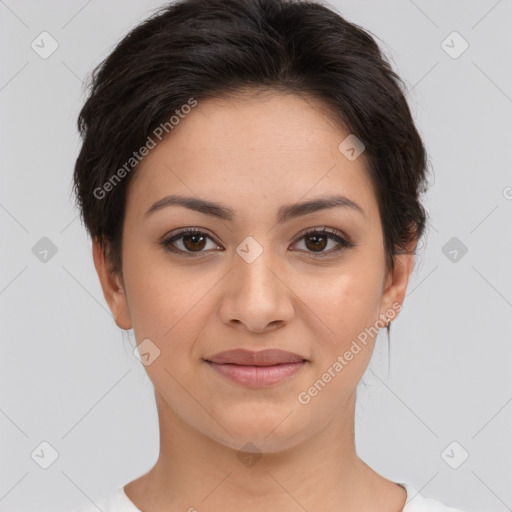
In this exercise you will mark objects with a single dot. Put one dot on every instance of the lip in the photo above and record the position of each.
(256, 369)
(268, 357)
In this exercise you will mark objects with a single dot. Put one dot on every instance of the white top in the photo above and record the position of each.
(118, 501)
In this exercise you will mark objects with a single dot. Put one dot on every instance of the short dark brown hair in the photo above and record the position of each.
(210, 48)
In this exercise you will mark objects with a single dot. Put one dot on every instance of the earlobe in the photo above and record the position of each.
(112, 287)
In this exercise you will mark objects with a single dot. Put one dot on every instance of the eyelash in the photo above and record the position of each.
(331, 234)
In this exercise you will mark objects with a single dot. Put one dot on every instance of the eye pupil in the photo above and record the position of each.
(316, 237)
(196, 239)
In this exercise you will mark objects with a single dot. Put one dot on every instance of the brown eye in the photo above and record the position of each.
(194, 242)
(188, 241)
(317, 240)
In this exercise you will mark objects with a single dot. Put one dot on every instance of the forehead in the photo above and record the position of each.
(253, 147)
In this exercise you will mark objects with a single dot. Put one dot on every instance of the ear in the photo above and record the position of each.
(395, 286)
(112, 286)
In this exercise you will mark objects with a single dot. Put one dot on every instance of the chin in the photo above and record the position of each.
(272, 434)
(259, 444)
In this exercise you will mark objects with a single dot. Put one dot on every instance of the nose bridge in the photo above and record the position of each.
(256, 294)
(253, 262)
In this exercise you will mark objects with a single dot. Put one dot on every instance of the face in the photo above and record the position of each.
(257, 272)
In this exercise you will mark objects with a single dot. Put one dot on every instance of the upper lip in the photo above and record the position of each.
(267, 357)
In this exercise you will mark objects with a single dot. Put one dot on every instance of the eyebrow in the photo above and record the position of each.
(284, 213)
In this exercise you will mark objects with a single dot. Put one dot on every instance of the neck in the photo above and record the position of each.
(195, 472)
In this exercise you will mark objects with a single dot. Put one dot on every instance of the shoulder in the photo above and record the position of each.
(116, 501)
(418, 503)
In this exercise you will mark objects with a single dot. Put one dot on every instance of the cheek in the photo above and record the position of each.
(346, 300)
(153, 293)
(345, 310)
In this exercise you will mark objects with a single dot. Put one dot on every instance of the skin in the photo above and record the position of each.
(254, 154)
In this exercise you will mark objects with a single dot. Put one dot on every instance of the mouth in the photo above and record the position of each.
(256, 369)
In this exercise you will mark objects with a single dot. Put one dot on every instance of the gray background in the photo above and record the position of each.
(67, 373)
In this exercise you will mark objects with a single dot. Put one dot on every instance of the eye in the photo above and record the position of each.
(189, 241)
(192, 242)
(317, 239)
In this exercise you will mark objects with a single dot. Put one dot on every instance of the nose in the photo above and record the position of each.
(256, 296)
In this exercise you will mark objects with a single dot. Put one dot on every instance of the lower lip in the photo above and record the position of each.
(257, 376)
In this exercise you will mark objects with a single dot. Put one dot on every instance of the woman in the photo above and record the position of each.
(250, 177)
